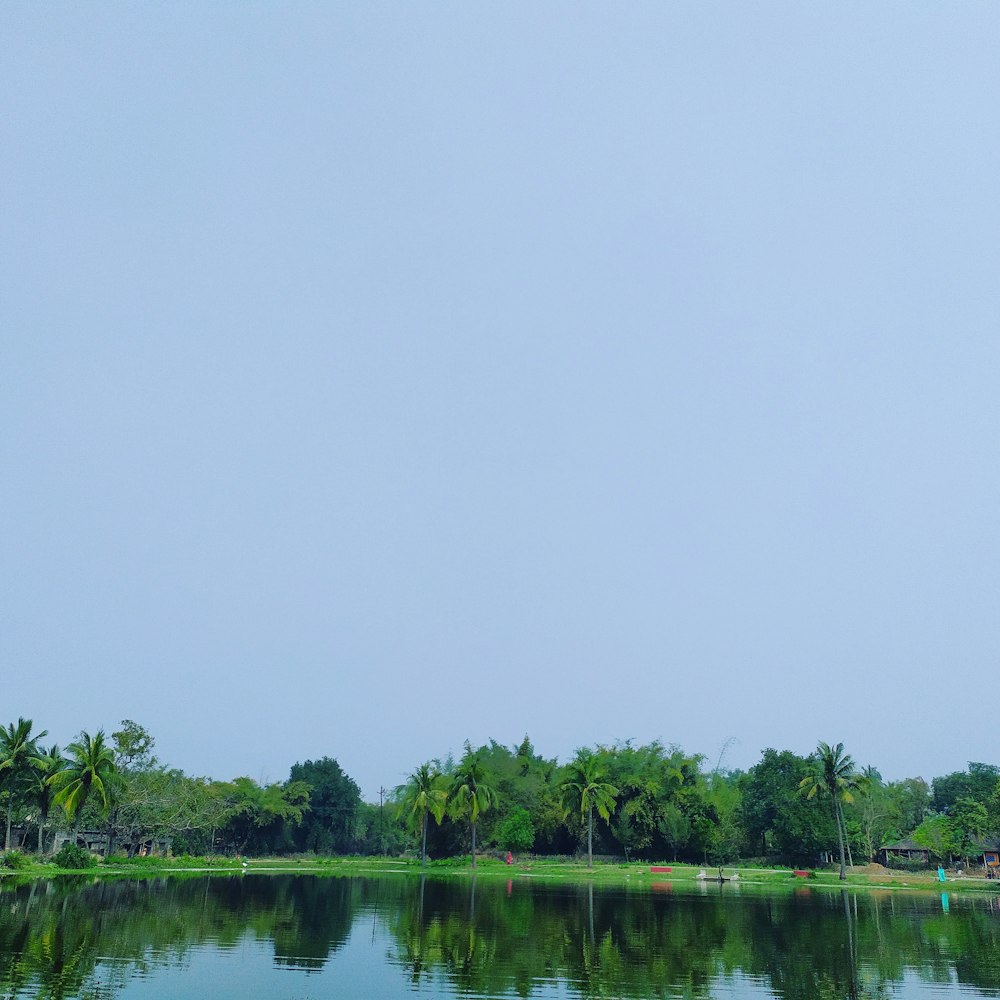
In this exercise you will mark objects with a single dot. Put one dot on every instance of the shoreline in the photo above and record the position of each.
(632, 874)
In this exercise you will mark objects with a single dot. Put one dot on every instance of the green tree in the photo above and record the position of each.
(379, 829)
(133, 747)
(775, 818)
(17, 758)
(647, 784)
(664, 804)
(872, 811)
(976, 783)
(423, 796)
(328, 825)
(908, 801)
(89, 771)
(725, 800)
(470, 795)
(47, 763)
(585, 787)
(522, 779)
(836, 778)
(516, 832)
(971, 821)
(940, 836)
(257, 812)
(133, 753)
(162, 802)
(993, 808)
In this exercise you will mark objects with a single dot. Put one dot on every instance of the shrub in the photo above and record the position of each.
(14, 860)
(123, 861)
(516, 832)
(73, 856)
(197, 861)
(904, 864)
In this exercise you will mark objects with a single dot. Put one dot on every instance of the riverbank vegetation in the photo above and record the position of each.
(623, 801)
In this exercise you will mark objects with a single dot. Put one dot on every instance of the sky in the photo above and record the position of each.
(377, 377)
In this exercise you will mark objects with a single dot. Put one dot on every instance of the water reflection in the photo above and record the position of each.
(514, 937)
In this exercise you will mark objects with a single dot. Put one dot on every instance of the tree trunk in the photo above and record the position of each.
(840, 840)
(473, 825)
(111, 836)
(10, 806)
(590, 838)
(423, 841)
(847, 840)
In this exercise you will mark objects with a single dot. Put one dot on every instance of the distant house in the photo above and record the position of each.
(908, 849)
(989, 855)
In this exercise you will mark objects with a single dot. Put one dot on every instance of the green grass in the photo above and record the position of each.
(634, 874)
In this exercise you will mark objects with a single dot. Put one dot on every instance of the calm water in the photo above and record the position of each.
(300, 937)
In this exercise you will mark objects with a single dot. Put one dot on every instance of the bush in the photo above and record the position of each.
(198, 861)
(14, 860)
(900, 863)
(123, 861)
(516, 832)
(73, 856)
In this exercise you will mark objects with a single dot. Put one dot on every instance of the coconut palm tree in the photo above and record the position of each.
(89, 770)
(584, 787)
(836, 778)
(470, 794)
(17, 749)
(422, 796)
(47, 762)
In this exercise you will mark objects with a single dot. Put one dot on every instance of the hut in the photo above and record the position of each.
(910, 850)
(989, 855)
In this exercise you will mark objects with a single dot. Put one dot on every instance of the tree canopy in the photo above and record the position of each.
(652, 801)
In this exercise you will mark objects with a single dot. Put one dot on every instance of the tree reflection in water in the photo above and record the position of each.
(639, 944)
(82, 937)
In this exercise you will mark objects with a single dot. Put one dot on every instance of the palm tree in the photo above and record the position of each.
(584, 787)
(836, 778)
(420, 797)
(17, 748)
(470, 795)
(47, 763)
(90, 769)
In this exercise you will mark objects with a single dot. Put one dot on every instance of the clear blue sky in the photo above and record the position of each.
(378, 376)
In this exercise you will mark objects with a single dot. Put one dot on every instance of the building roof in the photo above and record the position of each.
(978, 846)
(904, 845)
(987, 844)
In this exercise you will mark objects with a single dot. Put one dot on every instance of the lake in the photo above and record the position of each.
(298, 937)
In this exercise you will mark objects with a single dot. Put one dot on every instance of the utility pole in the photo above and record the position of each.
(381, 821)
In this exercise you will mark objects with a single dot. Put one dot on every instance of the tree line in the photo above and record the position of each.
(118, 787)
(640, 801)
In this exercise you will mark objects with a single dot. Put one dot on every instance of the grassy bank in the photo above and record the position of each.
(634, 875)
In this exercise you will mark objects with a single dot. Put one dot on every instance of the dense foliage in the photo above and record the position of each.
(649, 801)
